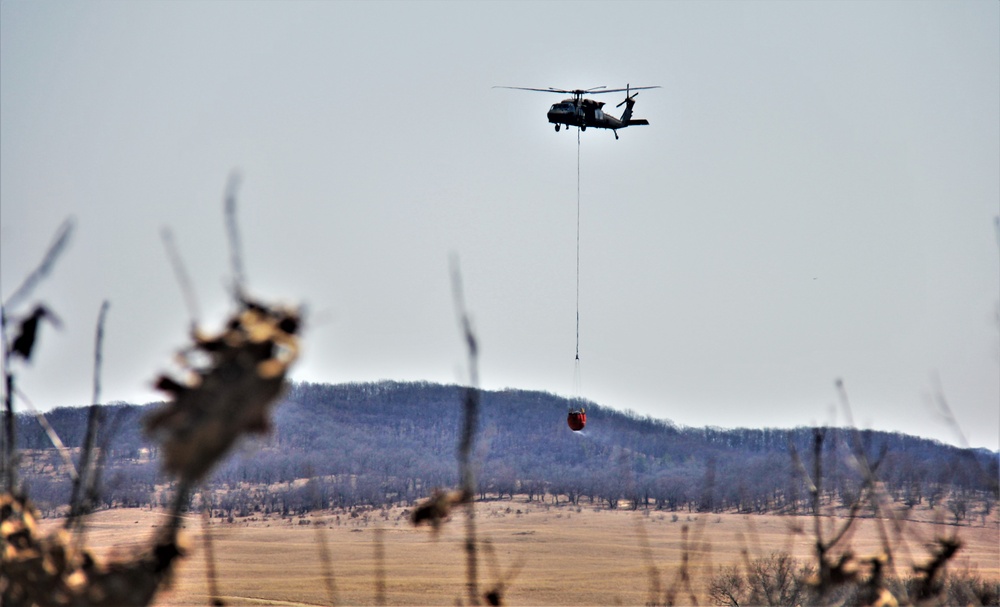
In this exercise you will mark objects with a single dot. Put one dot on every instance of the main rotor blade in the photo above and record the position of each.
(629, 89)
(548, 90)
(597, 90)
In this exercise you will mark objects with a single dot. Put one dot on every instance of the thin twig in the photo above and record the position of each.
(329, 582)
(9, 459)
(51, 432)
(111, 428)
(87, 472)
(206, 531)
(944, 410)
(232, 229)
(380, 598)
(183, 279)
(467, 442)
(815, 489)
(177, 508)
(651, 569)
(51, 255)
(494, 596)
(324, 549)
(99, 352)
(683, 579)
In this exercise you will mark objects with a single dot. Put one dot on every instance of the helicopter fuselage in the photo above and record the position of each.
(584, 113)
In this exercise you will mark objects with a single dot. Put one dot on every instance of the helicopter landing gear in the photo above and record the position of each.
(615, 131)
(557, 128)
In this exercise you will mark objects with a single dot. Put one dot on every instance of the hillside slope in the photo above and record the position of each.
(386, 442)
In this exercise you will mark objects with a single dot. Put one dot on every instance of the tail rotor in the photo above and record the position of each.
(630, 99)
(628, 103)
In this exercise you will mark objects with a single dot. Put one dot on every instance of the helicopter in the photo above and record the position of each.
(581, 112)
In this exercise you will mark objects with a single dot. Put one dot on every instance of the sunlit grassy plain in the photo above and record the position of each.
(548, 555)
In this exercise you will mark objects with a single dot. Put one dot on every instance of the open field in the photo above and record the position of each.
(551, 555)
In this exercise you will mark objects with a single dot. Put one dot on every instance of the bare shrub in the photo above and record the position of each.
(218, 401)
(775, 579)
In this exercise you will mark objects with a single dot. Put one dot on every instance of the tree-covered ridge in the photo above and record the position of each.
(390, 442)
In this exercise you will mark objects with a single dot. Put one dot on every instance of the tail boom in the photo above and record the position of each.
(627, 114)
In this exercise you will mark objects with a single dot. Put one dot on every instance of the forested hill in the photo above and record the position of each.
(377, 443)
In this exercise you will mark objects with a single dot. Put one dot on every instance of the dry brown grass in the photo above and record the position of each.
(570, 557)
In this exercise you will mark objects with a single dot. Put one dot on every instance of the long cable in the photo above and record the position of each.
(577, 380)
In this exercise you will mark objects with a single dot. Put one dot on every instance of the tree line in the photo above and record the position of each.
(384, 443)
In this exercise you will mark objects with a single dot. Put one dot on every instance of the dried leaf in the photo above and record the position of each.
(230, 394)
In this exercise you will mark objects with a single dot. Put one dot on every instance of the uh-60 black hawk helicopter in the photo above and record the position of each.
(583, 113)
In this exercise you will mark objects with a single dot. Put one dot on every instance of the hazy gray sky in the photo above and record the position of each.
(813, 200)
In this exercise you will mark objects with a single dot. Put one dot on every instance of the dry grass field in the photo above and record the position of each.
(548, 555)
